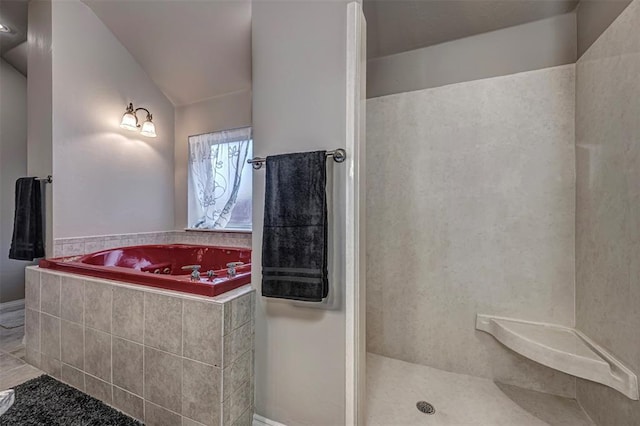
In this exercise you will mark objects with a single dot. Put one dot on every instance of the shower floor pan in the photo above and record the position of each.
(561, 348)
(394, 387)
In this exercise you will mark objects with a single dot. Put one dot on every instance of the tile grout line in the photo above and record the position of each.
(181, 358)
(84, 336)
(17, 366)
(40, 320)
(84, 340)
(167, 409)
(144, 355)
(60, 319)
(111, 343)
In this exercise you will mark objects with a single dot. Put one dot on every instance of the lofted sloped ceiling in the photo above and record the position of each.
(13, 48)
(198, 49)
(18, 57)
(192, 50)
(395, 26)
(13, 13)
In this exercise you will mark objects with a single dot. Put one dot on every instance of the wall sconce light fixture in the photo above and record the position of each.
(130, 122)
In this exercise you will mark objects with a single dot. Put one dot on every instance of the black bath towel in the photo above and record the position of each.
(28, 239)
(294, 243)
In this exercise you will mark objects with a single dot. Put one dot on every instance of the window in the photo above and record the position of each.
(220, 180)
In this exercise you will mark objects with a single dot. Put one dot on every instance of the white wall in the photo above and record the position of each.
(13, 164)
(39, 104)
(227, 111)
(106, 180)
(299, 104)
(470, 191)
(535, 45)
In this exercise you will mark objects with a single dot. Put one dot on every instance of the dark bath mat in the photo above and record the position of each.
(44, 401)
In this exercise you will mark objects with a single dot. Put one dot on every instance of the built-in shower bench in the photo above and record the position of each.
(561, 348)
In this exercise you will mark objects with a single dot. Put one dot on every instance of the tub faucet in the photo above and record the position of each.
(195, 271)
(231, 268)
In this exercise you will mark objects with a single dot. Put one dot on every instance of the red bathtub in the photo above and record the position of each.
(162, 266)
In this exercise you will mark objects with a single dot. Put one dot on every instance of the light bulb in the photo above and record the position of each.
(129, 121)
(148, 129)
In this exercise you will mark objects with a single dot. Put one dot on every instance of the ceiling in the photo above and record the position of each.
(395, 26)
(192, 50)
(18, 57)
(13, 13)
(195, 50)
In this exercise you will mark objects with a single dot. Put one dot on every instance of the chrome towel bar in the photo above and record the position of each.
(339, 155)
(48, 179)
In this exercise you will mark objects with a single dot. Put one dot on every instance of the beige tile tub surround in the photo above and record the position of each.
(470, 209)
(98, 302)
(163, 323)
(128, 365)
(608, 208)
(72, 342)
(90, 244)
(128, 315)
(160, 356)
(72, 292)
(50, 295)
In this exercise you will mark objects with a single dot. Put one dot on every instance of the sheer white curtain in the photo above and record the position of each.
(216, 162)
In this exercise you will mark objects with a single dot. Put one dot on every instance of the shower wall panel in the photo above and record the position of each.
(471, 204)
(608, 208)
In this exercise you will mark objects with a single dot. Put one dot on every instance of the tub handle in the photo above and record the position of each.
(195, 271)
(231, 268)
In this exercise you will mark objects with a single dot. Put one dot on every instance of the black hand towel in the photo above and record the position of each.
(294, 242)
(28, 239)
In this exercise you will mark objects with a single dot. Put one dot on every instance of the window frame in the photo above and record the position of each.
(192, 197)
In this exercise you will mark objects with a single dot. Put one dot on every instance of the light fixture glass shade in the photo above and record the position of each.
(129, 121)
(148, 129)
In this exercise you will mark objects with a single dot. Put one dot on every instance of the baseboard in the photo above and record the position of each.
(12, 306)
(258, 420)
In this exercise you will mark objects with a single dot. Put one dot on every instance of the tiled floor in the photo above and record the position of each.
(394, 387)
(13, 369)
(12, 317)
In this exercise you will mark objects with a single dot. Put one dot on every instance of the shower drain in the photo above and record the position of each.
(425, 407)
